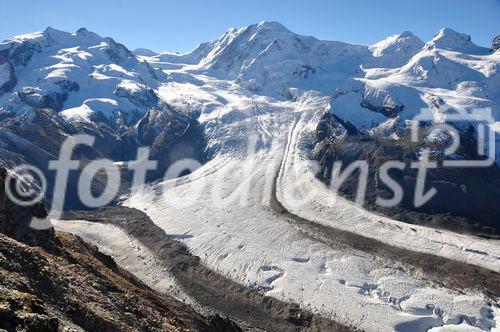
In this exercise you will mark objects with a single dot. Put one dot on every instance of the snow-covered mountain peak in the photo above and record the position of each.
(51, 36)
(407, 34)
(50, 32)
(268, 55)
(396, 50)
(81, 75)
(235, 48)
(257, 36)
(87, 35)
(21, 48)
(273, 25)
(273, 28)
(249, 42)
(264, 28)
(452, 40)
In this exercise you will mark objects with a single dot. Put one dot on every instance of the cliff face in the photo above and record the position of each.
(53, 281)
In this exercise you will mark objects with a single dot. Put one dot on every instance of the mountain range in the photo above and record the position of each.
(265, 219)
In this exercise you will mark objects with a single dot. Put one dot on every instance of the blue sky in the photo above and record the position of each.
(182, 24)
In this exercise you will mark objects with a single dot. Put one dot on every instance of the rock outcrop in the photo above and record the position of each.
(171, 136)
(496, 43)
(36, 138)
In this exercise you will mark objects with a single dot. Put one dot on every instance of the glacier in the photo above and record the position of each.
(258, 92)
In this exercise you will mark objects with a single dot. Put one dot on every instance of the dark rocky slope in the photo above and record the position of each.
(466, 199)
(75, 286)
(496, 43)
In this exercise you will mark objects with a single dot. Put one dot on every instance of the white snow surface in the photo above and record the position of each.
(449, 71)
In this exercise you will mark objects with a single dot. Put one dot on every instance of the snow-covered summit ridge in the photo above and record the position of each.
(51, 37)
(452, 40)
(267, 56)
(396, 50)
(397, 43)
(392, 79)
(395, 77)
(80, 74)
